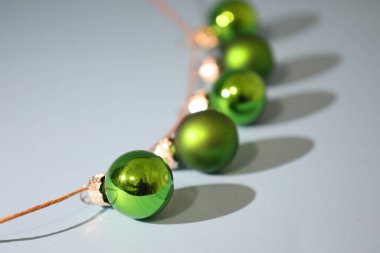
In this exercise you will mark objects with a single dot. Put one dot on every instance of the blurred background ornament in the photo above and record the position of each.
(239, 94)
(232, 17)
(248, 51)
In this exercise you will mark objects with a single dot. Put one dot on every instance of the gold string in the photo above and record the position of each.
(41, 206)
(190, 89)
(165, 9)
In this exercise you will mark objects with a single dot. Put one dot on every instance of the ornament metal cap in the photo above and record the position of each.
(163, 148)
(95, 196)
(198, 102)
(204, 37)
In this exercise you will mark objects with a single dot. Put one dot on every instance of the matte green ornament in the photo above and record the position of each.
(240, 94)
(230, 18)
(206, 140)
(139, 184)
(248, 51)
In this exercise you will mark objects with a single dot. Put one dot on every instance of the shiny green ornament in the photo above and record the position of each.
(240, 94)
(206, 141)
(139, 184)
(248, 51)
(230, 18)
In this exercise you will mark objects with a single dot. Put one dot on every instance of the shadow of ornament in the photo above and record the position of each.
(268, 154)
(289, 25)
(30, 238)
(303, 67)
(293, 107)
(204, 202)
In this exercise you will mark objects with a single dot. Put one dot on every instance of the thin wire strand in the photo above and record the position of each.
(193, 56)
(190, 90)
(172, 15)
(41, 206)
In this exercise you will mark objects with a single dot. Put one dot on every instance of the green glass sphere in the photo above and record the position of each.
(240, 94)
(139, 184)
(248, 51)
(229, 18)
(206, 140)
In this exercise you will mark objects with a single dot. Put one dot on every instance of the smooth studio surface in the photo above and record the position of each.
(82, 82)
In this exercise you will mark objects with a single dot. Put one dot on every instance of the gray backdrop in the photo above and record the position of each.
(82, 82)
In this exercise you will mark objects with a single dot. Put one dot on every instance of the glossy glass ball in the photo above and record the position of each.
(229, 18)
(250, 52)
(240, 94)
(206, 140)
(139, 184)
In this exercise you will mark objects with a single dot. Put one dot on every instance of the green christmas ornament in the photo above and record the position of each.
(230, 18)
(138, 184)
(240, 94)
(248, 51)
(206, 141)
